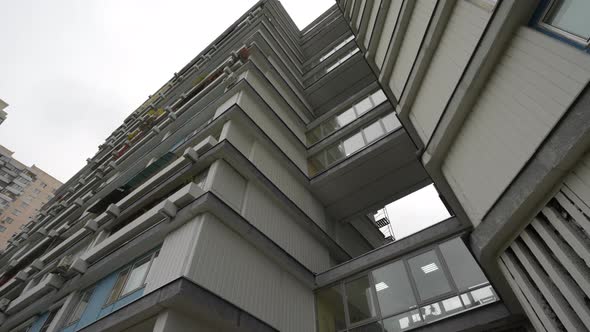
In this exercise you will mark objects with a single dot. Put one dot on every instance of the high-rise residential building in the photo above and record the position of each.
(241, 195)
(3, 113)
(23, 192)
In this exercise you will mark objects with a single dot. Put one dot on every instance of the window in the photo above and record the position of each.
(43, 185)
(345, 117)
(569, 19)
(8, 220)
(48, 320)
(79, 308)
(354, 142)
(16, 212)
(131, 278)
(360, 300)
(24, 205)
(36, 191)
(404, 294)
(2, 229)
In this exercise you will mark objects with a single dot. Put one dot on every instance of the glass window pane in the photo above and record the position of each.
(118, 286)
(363, 106)
(430, 279)
(316, 164)
(371, 327)
(378, 97)
(137, 275)
(571, 16)
(438, 310)
(314, 135)
(330, 308)
(479, 297)
(465, 271)
(390, 122)
(402, 322)
(359, 299)
(353, 144)
(334, 154)
(373, 132)
(80, 307)
(345, 117)
(394, 291)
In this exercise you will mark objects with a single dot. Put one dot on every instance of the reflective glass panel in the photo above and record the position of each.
(378, 97)
(390, 122)
(137, 275)
(334, 154)
(353, 144)
(345, 117)
(118, 286)
(394, 291)
(402, 322)
(479, 297)
(441, 309)
(373, 132)
(363, 106)
(571, 16)
(465, 271)
(372, 327)
(428, 274)
(360, 300)
(330, 308)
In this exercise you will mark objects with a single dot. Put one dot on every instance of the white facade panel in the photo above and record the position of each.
(374, 8)
(533, 84)
(423, 10)
(387, 31)
(461, 35)
(267, 215)
(232, 268)
(175, 254)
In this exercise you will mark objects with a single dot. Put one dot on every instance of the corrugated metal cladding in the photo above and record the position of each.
(463, 31)
(534, 83)
(548, 265)
(232, 268)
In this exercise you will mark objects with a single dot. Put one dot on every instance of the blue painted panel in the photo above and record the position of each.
(70, 328)
(102, 290)
(128, 299)
(39, 323)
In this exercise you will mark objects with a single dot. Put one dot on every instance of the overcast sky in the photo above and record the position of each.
(72, 70)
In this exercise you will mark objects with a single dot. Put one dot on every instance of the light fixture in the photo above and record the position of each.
(429, 268)
(381, 286)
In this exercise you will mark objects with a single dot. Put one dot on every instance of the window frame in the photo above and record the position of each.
(549, 7)
(69, 322)
(111, 299)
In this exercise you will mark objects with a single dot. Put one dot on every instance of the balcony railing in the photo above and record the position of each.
(352, 144)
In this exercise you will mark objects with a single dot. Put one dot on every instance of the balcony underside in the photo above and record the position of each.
(377, 175)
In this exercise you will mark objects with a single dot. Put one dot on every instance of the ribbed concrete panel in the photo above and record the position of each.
(175, 254)
(271, 165)
(284, 140)
(461, 35)
(228, 184)
(534, 83)
(278, 104)
(423, 10)
(266, 214)
(548, 264)
(387, 31)
(232, 268)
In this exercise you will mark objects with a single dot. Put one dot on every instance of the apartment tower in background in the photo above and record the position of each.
(241, 195)
(23, 192)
